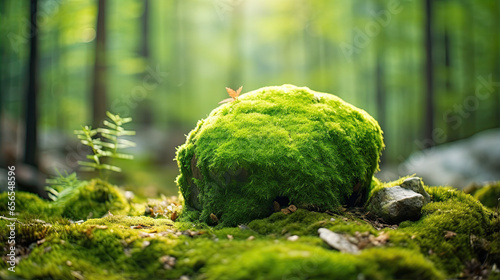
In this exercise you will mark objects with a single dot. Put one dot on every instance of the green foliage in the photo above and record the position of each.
(105, 143)
(310, 147)
(62, 185)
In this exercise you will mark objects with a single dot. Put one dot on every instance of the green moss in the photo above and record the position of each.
(278, 261)
(310, 148)
(136, 247)
(26, 204)
(489, 195)
(396, 263)
(447, 225)
(92, 199)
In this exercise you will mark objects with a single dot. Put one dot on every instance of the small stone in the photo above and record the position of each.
(250, 238)
(230, 237)
(184, 277)
(145, 244)
(396, 204)
(293, 238)
(168, 261)
(415, 184)
(449, 235)
(292, 208)
(337, 241)
(69, 263)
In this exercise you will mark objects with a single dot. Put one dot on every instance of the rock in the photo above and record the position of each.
(396, 204)
(415, 184)
(337, 241)
(459, 163)
(285, 144)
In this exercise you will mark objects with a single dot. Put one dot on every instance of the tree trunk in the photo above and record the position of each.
(30, 148)
(144, 47)
(380, 95)
(99, 75)
(429, 74)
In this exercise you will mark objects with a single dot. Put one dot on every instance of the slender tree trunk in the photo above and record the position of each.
(470, 71)
(99, 75)
(380, 94)
(429, 73)
(496, 62)
(144, 47)
(31, 112)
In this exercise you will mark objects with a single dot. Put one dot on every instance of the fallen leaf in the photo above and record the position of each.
(173, 216)
(382, 238)
(286, 211)
(214, 218)
(78, 275)
(276, 206)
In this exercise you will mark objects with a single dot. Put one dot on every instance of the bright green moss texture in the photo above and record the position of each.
(287, 144)
(130, 247)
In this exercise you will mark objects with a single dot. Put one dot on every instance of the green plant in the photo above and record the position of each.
(105, 143)
(62, 185)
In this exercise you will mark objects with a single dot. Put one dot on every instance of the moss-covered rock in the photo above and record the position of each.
(286, 144)
(91, 199)
(489, 195)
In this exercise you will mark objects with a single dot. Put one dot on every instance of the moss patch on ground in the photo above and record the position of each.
(455, 232)
(286, 144)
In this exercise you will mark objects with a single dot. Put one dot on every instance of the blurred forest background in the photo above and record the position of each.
(428, 71)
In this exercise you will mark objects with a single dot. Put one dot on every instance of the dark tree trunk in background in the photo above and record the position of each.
(99, 75)
(470, 72)
(448, 85)
(144, 44)
(143, 112)
(30, 147)
(429, 74)
(380, 95)
(496, 63)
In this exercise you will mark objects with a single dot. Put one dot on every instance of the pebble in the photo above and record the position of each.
(293, 238)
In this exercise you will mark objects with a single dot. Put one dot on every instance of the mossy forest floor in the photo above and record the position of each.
(457, 237)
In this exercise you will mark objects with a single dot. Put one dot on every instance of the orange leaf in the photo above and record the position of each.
(234, 94)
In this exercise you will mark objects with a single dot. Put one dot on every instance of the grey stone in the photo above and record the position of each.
(337, 241)
(415, 184)
(472, 160)
(396, 204)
